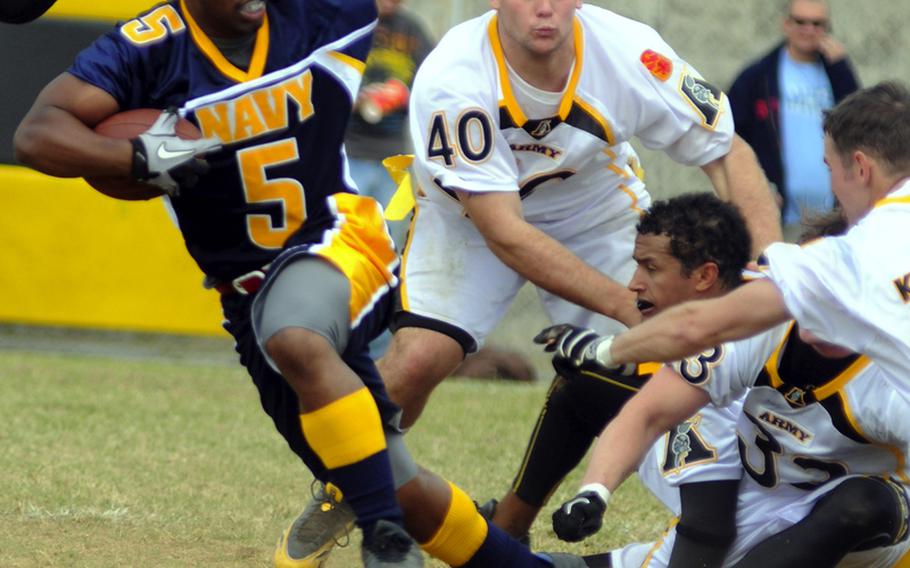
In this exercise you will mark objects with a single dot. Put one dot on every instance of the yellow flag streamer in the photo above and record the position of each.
(403, 201)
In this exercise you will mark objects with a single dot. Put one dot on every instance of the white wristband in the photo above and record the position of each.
(602, 352)
(598, 488)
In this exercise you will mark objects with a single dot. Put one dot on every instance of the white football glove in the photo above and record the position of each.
(163, 159)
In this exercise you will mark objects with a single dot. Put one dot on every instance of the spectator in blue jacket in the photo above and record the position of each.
(778, 102)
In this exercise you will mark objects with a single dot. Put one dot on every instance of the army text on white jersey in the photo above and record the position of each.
(794, 437)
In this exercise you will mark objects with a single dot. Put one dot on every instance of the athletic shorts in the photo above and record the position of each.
(360, 248)
(453, 283)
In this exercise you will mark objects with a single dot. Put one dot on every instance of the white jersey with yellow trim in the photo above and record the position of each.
(854, 290)
(798, 443)
(802, 436)
(807, 419)
(470, 132)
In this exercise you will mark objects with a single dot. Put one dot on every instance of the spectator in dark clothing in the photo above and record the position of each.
(778, 104)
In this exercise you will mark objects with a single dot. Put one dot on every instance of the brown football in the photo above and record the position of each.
(126, 125)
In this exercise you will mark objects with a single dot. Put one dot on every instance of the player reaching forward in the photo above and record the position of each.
(820, 432)
(864, 513)
(852, 290)
(840, 288)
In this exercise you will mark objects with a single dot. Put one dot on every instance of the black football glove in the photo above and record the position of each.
(576, 348)
(581, 516)
(163, 159)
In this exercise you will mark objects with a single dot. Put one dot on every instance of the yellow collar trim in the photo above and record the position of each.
(568, 97)
(892, 200)
(771, 364)
(824, 391)
(649, 368)
(257, 61)
(833, 386)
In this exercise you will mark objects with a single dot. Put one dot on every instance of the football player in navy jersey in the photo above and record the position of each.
(304, 265)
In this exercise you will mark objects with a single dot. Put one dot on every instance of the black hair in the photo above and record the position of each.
(702, 228)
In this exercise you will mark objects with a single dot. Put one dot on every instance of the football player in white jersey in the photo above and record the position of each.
(693, 246)
(813, 431)
(521, 121)
(822, 437)
(852, 290)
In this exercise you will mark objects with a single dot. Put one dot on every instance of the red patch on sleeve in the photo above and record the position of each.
(657, 64)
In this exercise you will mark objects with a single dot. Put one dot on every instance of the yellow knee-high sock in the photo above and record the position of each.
(462, 532)
(347, 436)
(346, 430)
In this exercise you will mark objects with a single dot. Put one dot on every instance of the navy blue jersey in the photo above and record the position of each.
(281, 121)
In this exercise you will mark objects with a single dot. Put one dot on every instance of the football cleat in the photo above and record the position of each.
(390, 547)
(309, 541)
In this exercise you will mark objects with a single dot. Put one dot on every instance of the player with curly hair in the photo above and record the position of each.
(827, 406)
(693, 246)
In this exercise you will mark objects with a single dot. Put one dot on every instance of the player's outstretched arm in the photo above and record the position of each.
(692, 327)
(665, 401)
(738, 178)
(543, 260)
(56, 135)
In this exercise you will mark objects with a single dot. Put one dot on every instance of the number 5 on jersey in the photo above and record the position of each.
(285, 195)
(473, 138)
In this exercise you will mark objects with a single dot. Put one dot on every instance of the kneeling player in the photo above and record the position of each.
(821, 436)
(690, 247)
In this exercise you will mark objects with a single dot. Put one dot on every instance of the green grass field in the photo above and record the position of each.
(108, 461)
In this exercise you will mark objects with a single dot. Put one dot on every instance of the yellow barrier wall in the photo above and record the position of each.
(112, 10)
(71, 256)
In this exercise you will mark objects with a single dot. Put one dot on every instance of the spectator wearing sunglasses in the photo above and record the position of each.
(777, 104)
